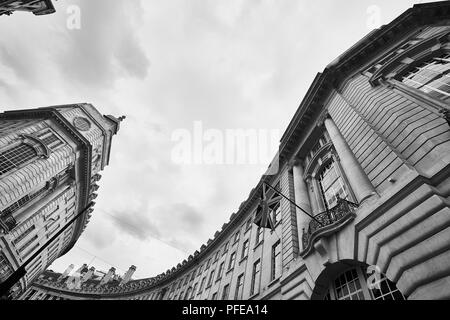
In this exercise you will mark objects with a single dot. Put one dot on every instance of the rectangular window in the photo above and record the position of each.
(216, 256)
(259, 235)
(220, 273)
(239, 287)
(24, 235)
(236, 236)
(194, 291)
(27, 244)
(214, 296)
(225, 247)
(225, 292)
(202, 285)
(232, 259)
(275, 212)
(211, 277)
(208, 263)
(255, 277)
(245, 249)
(276, 260)
(248, 224)
(200, 269)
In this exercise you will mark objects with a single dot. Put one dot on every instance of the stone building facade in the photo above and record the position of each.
(367, 153)
(37, 7)
(50, 159)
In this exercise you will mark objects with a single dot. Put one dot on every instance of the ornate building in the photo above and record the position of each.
(368, 155)
(38, 7)
(50, 159)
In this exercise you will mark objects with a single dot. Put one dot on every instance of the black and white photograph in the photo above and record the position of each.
(224, 154)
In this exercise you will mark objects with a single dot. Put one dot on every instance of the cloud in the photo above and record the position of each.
(173, 224)
(106, 47)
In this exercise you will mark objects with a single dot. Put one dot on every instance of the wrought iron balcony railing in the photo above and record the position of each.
(328, 222)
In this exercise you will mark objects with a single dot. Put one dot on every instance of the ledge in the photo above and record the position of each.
(243, 259)
(229, 270)
(258, 244)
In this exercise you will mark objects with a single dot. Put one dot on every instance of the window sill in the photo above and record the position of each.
(218, 279)
(253, 296)
(257, 245)
(276, 225)
(276, 280)
(229, 270)
(243, 259)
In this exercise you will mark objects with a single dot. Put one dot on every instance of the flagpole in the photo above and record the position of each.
(292, 202)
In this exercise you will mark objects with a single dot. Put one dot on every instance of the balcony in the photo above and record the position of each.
(328, 222)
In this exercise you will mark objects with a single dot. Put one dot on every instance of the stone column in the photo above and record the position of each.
(359, 182)
(301, 197)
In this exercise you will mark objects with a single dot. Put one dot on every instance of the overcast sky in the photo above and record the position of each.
(166, 64)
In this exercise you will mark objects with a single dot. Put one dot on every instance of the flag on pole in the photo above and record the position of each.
(262, 217)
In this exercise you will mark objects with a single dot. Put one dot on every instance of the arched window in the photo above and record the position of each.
(354, 284)
(331, 184)
(16, 156)
(431, 77)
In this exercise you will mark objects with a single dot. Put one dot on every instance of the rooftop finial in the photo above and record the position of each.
(122, 118)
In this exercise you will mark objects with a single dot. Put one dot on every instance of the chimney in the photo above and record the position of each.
(128, 275)
(66, 273)
(108, 276)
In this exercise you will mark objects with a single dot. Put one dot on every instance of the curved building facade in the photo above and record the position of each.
(367, 154)
(50, 159)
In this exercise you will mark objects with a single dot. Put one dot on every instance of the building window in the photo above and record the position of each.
(248, 224)
(194, 291)
(220, 273)
(23, 235)
(214, 296)
(259, 235)
(200, 289)
(14, 157)
(236, 236)
(348, 287)
(232, 259)
(216, 257)
(431, 77)
(353, 284)
(225, 247)
(245, 249)
(255, 277)
(387, 290)
(276, 260)
(188, 294)
(23, 201)
(192, 275)
(200, 269)
(331, 184)
(211, 277)
(239, 287)
(208, 263)
(225, 292)
(27, 244)
(275, 213)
